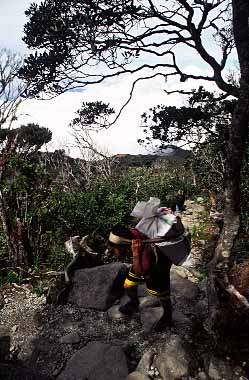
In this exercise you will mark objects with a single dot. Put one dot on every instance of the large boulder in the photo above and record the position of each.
(170, 359)
(97, 288)
(173, 359)
(150, 316)
(144, 365)
(96, 361)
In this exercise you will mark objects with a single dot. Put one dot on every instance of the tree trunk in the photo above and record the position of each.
(8, 231)
(219, 266)
(19, 249)
(238, 136)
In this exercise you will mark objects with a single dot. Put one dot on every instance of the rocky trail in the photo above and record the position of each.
(85, 339)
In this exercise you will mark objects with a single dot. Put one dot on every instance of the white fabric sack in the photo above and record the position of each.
(146, 209)
(155, 221)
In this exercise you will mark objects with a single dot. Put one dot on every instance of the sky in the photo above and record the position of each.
(56, 114)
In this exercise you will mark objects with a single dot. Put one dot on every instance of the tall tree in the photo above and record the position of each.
(24, 187)
(130, 36)
(17, 145)
(11, 91)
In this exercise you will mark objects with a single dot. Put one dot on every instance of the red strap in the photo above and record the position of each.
(137, 234)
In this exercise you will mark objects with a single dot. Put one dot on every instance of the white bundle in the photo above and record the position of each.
(155, 221)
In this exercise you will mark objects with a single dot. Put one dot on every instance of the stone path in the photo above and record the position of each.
(87, 340)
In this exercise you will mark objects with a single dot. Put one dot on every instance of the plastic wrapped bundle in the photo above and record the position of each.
(164, 230)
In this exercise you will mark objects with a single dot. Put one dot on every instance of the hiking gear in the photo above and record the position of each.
(164, 230)
(132, 305)
(166, 319)
(155, 221)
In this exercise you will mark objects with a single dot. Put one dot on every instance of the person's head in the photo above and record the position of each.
(120, 239)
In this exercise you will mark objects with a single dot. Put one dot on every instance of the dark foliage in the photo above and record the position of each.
(93, 115)
(204, 119)
(72, 37)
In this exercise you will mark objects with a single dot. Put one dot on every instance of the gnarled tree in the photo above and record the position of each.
(82, 43)
(202, 124)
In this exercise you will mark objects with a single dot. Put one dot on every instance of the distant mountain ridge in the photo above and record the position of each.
(75, 172)
(175, 151)
(172, 154)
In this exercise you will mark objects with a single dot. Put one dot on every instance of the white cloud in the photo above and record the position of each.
(12, 20)
(57, 113)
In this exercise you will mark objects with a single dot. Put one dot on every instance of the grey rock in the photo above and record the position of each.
(70, 338)
(173, 360)
(137, 376)
(144, 364)
(150, 316)
(181, 320)
(98, 288)
(14, 328)
(151, 311)
(182, 288)
(96, 361)
(177, 271)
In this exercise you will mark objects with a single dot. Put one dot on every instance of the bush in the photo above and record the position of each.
(94, 212)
